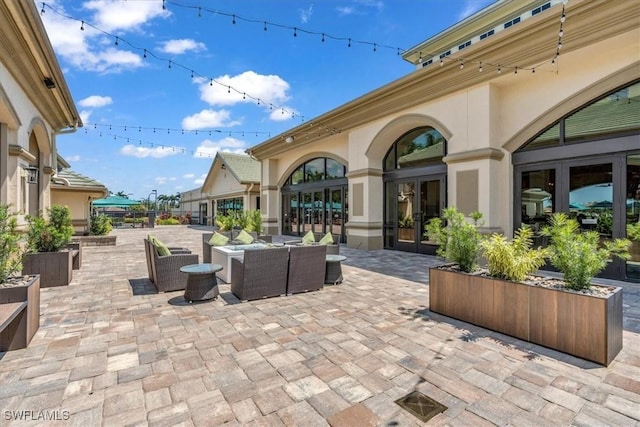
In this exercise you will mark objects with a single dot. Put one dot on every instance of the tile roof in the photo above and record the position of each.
(80, 181)
(242, 166)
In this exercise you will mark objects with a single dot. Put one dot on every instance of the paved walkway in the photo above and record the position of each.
(110, 351)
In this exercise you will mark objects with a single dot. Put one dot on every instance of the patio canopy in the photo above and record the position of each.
(117, 201)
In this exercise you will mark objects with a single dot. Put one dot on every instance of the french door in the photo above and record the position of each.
(409, 205)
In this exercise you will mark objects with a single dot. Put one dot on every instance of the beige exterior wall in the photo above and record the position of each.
(78, 202)
(19, 121)
(484, 124)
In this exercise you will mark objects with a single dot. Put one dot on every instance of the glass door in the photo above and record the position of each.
(632, 223)
(410, 204)
(431, 204)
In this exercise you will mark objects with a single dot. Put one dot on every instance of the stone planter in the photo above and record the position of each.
(54, 268)
(586, 326)
(29, 292)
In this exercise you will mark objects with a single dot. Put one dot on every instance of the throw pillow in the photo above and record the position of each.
(162, 249)
(244, 238)
(308, 238)
(327, 239)
(218, 239)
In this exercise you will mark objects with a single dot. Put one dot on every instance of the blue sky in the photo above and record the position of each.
(156, 122)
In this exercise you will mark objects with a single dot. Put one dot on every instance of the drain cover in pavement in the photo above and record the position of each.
(421, 406)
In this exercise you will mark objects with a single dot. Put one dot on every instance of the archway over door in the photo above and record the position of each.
(314, 198)
(414, 188)
(586, 164)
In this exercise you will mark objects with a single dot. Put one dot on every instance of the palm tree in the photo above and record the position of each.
(122, 194)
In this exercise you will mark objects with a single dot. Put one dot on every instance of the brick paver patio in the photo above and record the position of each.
(111, 351)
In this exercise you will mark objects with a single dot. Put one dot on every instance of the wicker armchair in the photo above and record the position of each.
(262, 273)
(206, 246)
(306, 268)
(164, 271)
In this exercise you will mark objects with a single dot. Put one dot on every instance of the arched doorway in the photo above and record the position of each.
(414, 188)
(314, 198)
(587, 164)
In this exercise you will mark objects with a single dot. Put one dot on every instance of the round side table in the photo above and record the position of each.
(201, 281)
(333, 272)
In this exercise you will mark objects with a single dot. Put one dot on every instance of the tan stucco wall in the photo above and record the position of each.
(483, 123)
(21, 118)
(78, 203)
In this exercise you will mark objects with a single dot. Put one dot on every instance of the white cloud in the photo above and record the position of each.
(278, 115)
(180, 46)
(200, 180)
(470, 7)
(84, 116)
(90, 49)
(95, 101)
(112, 15)
(209, 148)
(75, 158)
(160, 180)
(346, 10)
(142, 152)
(270, 89)
(209, 119)
(305, 14)
(188, 175)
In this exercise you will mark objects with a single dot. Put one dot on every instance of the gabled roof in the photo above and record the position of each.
(242, 166)
(74, 181)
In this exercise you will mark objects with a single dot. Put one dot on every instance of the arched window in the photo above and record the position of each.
(318, 169)
(422, 146)
(615, 114)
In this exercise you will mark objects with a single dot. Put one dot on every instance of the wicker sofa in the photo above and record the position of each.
(164, 271)
(306, 268)
(231, 235)
(262, 273)
(333, 249)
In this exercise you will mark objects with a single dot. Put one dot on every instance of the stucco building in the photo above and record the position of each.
(518, 111)
(35, 108)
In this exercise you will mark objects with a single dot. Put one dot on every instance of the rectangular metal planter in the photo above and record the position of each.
(54, 268)
(585, 326)
(31, 294)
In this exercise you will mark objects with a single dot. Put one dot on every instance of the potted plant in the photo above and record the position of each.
(13, 286)
(47, 252)
(405, 228)
(633, 234)
(570, 315)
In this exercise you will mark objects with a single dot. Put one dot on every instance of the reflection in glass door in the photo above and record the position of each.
(410, 204)
(632, 226)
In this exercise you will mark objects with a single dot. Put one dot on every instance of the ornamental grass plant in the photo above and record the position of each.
(513, 259)
(580, 255)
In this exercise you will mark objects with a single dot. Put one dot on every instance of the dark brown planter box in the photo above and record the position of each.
(585, 326)
(76, 247)
(54, 268)
(31, 294)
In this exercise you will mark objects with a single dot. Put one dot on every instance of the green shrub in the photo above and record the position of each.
(633, 231)
(168, 221)
(10, 249)
(225, 222)
(254, 221)
(100, 225)
(459, 239)
(50, 235)
(513, 260)
(579, 255)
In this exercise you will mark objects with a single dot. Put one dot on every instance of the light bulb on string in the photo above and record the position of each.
(461, 64)
(145, 53)
(441, 62)
(82, 26)
(169, 63)
(349, 45)
(42, 10)
(375, 47)
(561, 33)
(234, 20)
(265, 26)
(480, 69)
(499, 70)
(199, 12)
(516, 71)
(533, 70)
(322, 37)
(116, 41)
(295, 32)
